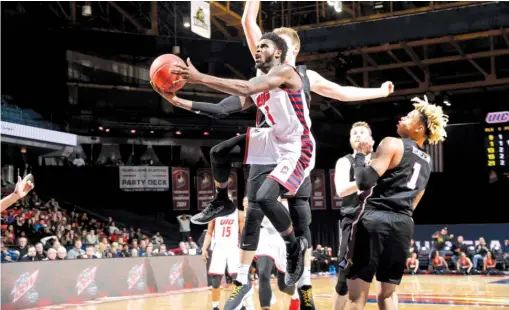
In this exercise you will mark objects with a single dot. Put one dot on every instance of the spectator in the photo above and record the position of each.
(184, 226)
(113, 228)
(91, 238)
(458, 248)
(134, 253)
(30, 256)
(464, 264)
(322, 260)
(89, 252)
(413, 248)
(481, 250)
(438, 263)
(125, 251)
(77, 251)
(39, 251)
(439, 239)
(157, 239)
(61, 253)
(52, 254)
(412, 264)
(23, 248)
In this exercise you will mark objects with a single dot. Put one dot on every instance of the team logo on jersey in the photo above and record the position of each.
(262, 99)
(285, 170)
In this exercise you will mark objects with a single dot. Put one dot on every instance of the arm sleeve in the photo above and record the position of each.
(224, 108)
(365, 177)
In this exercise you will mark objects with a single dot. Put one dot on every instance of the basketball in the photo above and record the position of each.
(160, 73)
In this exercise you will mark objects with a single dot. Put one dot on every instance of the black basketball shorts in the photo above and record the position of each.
(380, 246)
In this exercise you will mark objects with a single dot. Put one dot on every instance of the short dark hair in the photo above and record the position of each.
(280, 43)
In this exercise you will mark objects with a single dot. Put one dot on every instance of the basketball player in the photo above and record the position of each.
(223, 233)
(350, 210)
(272, 252)
(279, 95)
(23, 187)
(395, 180)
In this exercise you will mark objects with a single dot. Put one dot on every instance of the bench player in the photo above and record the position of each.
(395, 180)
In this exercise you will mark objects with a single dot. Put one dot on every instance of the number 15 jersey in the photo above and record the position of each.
(397, 188)
(226, 231)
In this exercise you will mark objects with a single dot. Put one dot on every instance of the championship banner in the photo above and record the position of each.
(143, 178)
(318, 199)
(232, 186)
(337, 202)
(181, 189)
(204, 187)
(200, 18)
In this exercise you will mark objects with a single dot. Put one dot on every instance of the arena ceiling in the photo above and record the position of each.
(457, 64)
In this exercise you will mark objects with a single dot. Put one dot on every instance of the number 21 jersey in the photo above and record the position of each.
(397, 188)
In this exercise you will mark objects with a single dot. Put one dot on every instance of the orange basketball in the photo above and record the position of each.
(160, 73)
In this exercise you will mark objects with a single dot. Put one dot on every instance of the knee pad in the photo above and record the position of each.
(251, 232)
(341, 286)
(216, 281)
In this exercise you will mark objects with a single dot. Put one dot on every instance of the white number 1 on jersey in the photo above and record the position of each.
(415, 175)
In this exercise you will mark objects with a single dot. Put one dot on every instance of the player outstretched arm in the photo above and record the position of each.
(206, 242)
(23, 186)
(249, 25)
(328, 89)
(387, 149)
(342, 178)
(225, 107)
(277, 76)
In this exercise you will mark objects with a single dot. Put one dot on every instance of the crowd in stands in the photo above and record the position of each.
(447, 256)
(34, 230)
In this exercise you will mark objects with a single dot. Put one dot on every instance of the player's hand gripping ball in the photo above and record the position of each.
(161, 77)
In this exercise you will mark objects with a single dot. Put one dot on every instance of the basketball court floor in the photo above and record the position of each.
(416, 293)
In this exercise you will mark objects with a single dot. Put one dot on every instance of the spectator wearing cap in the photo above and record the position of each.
(439, 240)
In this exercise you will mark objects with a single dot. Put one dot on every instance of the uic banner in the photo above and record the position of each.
(318, 196)
(181, 188)
(143, 178)
(41, 284)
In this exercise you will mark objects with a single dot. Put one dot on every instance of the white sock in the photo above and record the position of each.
(306, 277)
(215, 304)
(243, 273)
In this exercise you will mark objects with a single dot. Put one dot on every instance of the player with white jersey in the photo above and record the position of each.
(223, 238)
(272, 252)
(279, 95)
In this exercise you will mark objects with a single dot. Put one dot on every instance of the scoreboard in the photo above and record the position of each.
(496, 142)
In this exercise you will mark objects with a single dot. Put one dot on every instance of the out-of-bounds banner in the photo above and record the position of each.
(181, 188)
(337, 202)
(318, 196)
(232, 186)
(494, 234)
(143, 178)
(39, 284)
(204, 187)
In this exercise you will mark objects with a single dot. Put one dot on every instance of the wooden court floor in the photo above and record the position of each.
(415, 292)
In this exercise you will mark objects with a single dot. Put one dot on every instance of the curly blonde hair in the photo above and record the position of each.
(436, 119)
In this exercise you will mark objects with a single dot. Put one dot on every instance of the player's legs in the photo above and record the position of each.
(265, 266)
(267, 199)
(216, 291)
(392, 260)
(221, 158)
(341, 296)
(380, 294)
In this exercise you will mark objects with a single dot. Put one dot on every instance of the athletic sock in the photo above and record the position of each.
(306, 277)
(215, 304)
(243, 273)
(295, 294)
(222, 193)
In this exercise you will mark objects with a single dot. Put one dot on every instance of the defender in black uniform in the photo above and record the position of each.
(395, 182)
(350, 209)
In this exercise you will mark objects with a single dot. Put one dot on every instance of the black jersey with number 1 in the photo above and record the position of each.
(397, 188)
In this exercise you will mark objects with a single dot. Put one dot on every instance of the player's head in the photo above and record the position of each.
(270, 51)
(245, 202)
(359, 132)
(426, 122)
(292, 39)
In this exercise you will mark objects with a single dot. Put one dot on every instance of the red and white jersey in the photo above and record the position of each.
(226, 231)
(286, 111)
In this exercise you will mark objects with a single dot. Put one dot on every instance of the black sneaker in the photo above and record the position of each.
(215, 208)
(215, 308)
(306, 298)
(295, 262)
(240, 293)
